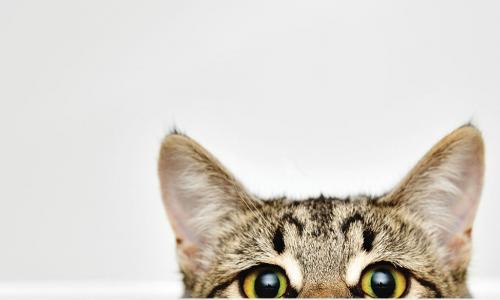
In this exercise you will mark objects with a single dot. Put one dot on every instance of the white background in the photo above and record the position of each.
(294, 97)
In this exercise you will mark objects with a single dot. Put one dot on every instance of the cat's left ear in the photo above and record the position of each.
(443, 190)
(200, 196)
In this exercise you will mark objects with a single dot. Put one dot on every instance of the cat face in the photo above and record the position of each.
(413, 241)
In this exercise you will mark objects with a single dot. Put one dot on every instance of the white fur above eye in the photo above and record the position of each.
(356, 265)
(291, 267)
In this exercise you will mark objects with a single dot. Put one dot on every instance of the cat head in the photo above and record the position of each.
(413, 241)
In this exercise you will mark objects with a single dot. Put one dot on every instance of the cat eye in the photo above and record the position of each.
(264, 282)
(383, 281)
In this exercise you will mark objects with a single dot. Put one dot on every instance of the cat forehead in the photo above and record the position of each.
(322, 238)
(324, 211)
(327, 223)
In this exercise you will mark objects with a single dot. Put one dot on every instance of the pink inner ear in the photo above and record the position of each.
(177, 218)
(458, 249)
(457, 239)
(188, 256)
(179, 215)
(464, 209)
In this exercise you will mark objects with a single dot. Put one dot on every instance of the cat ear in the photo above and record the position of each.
(198, 193)
(442, 191)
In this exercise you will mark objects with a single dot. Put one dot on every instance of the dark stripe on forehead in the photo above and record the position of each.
(431, 286)
(347, 223)
(368, 237)
(292, 220)
(278, 241)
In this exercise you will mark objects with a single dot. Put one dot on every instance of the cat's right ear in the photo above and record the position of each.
(443, 191)
(199, 195)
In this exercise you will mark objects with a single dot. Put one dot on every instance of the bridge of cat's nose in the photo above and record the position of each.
(335, 289)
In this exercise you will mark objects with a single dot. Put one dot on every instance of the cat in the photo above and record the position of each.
(414, 241)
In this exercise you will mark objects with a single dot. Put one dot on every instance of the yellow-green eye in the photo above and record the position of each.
(383, 281)
(266, 282)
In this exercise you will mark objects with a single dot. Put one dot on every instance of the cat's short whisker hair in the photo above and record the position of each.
(416, 237)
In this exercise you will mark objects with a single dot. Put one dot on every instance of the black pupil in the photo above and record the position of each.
(383, 283)
(267, 285)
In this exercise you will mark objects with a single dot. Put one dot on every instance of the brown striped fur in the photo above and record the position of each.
(422, 226)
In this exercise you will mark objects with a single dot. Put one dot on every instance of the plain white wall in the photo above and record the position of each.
(295, 97)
